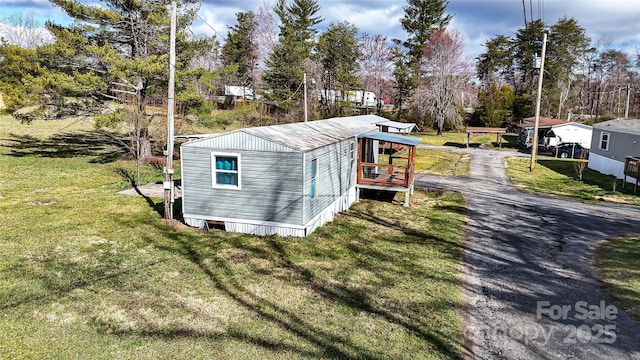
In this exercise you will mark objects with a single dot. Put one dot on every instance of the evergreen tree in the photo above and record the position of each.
(337, 50)
(568, 45)
(421, 19)
(495, 65)
(16, 66)
(495, 106)
(526, 45)
(510, 60)
(240, 50)
(118, 50)
(284, 73)
(403, 76)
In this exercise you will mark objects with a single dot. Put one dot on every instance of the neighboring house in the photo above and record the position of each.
(568, 133)
(386, 125)
(239, 92)
(525, 133)
(287, 179)
(358, 98)
(611, 143)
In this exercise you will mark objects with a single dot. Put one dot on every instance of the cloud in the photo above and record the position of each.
(479, 20)
(373, 20)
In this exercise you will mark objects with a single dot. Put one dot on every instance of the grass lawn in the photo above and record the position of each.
(442, 162)
(558, 177)
(458, 139)
(619, 263)
(86, 273)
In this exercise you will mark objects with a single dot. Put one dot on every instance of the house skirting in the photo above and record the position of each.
(264, 228)
(608, 166)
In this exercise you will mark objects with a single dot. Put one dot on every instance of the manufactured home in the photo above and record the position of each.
(526, 129)
(358, 98)
(568, 133)
(612, 142)
(288, 179)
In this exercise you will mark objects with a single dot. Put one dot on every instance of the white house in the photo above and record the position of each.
(569, 133)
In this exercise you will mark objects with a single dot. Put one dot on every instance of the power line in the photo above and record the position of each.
(210, 27)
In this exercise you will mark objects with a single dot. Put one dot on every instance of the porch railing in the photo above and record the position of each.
(385, 175)
(631, 169)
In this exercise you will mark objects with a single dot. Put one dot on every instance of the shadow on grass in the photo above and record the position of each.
(105, 147)
(158, 207)
(461, 145)
(295, 259)
(589, 177)
(509, 142)
(618, 261)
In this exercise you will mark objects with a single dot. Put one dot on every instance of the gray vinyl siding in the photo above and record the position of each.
(621, 144)
(336, 174)
(271, 186)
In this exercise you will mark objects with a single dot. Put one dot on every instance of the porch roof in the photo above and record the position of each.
(390, 137)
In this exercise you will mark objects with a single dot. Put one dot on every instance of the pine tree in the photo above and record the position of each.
(239, 49)
(284, 73)
(337, 51)
(118, 50)
(421, 19)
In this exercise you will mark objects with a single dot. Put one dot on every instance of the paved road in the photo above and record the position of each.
(529, 280)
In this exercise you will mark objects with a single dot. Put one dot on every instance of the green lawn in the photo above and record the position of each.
(86, 273)
(442, 162)
(558, 177)
(458, 139)
(619, 263)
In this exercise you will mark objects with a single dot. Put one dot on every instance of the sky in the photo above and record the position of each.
(614, 22)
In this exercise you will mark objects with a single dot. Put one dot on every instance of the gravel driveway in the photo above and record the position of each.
(530, 288)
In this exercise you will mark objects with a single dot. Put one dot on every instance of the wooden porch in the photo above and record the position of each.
(396, 173)
(631, 169)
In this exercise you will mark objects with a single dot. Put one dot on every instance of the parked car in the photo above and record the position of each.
(570, 150)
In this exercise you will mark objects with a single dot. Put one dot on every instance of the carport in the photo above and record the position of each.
(486, 130)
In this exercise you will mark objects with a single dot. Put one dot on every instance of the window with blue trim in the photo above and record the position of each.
(314, 177)
(226, 170)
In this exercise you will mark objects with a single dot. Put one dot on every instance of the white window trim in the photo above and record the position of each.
(214, 170)
(602, 134)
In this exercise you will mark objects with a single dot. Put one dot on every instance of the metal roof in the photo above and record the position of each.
(544, 122)
(577, 124)
(621, 124)
(397, 125)
(476, 129)
(301, 137)
(390, 137)
(381, 121)
(369, 118)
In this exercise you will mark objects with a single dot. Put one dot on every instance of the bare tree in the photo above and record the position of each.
(24, 31)
(265, 36)
(446, 74)
(581, 164)
(376, 63)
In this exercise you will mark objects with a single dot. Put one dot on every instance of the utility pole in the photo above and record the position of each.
(304, 81)
(534, 146)
(168, 169)
(626, 103)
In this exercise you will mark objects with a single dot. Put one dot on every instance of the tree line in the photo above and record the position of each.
(582, 81)
(112, 63)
